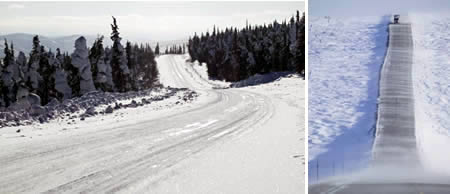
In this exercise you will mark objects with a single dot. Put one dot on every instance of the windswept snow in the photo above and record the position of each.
(345, 57)
(431, 70)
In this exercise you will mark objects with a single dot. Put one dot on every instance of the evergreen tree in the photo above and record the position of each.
(109, 84)
(7, 74)
(132, 63)
(80, 60)
(157, 49)
(120, 71)
(73, 77)
(61, 87)
(46, 83)
(234, 54)
(300, 55)
(32, 76)
(22, 89)
(99, 66)
(62, 76)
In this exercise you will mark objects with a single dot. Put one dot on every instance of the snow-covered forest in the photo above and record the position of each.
(175, 49)
(234, 55)
(46, 75)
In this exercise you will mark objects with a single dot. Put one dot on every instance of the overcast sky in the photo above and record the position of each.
(138, 21)
(374, 7)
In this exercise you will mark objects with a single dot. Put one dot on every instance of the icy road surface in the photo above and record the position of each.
(260, 147)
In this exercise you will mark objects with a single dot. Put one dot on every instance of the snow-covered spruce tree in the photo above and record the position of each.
(7, 76)
(80, 60)
(149, 68)
(243, 54)
(22, 89)
(263, 49)
(98, 65)
(300, 44)
(120, 71)
(235, 59)
(46, 89)
(63, 91)
(132, 65)
(93, 58)
(211, 45)
(293, 42)
(2, 102)
(73, 77)
(32, 75)
(175, 49)
(22, 63)
(157, 49)
(108, 70)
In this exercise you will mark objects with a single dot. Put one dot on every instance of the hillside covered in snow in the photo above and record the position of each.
(431, 70)
(345, 57)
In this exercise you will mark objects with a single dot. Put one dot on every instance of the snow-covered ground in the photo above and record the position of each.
(267, 159)
(246, 140)
(345, 57)
(71, 115)
(88, 105)
(431, 70)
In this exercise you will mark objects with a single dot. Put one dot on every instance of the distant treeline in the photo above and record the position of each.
(175, 49)
(234, 55)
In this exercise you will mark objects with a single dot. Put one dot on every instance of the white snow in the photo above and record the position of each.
(67, 115)
(196, 72)
(267, 159)
(60, 77)
(431, 70)
(80, 60)
(75, 108)
(169, 145)
(345, 56)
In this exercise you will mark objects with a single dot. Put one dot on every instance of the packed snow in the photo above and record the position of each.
(345, 57)
(431, 70)
(267, 159)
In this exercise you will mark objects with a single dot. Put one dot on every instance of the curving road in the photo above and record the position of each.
(130, 158)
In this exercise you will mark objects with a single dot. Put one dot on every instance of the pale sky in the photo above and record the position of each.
(350, 8)
(138, 21)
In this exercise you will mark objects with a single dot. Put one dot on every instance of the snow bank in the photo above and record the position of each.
(90, 104)
(194, 71)
(345, 57)
(431, 70)
(259, 79)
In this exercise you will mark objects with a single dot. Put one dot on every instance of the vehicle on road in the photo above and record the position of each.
(396, 18)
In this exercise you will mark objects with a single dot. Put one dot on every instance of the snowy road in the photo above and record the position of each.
(395, 166)
(395, 141)
(132, 157)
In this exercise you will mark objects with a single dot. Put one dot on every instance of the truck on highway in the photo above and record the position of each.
(396, 18)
